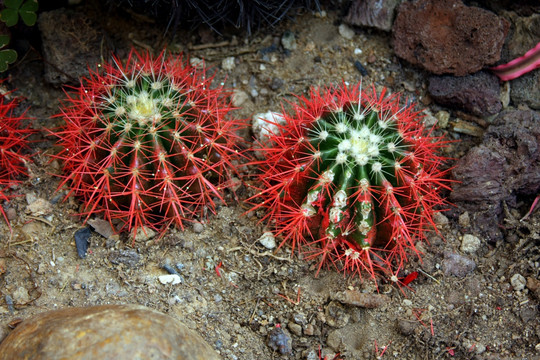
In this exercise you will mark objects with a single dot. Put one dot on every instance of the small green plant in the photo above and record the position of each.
(12, 10)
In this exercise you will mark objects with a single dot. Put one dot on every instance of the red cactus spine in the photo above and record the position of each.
(148, 143)
(351, 178)
(13, 144)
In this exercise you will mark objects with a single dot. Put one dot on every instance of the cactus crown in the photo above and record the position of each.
(351, 177)
(147, 143)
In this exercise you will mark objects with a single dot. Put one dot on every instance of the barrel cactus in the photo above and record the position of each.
(147, 142)
(351, 178)
(13, 146)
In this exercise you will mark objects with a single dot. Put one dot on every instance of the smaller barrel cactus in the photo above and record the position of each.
(147, 143)
(13, 145)
(351, 177)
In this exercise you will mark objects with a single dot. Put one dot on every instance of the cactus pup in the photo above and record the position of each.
(352, 178)
(147, 142)
(13, 145)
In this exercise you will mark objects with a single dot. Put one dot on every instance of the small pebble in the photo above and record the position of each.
(239, 97)
(144, 234)
(442, 117)
(40, 207)
(464, 219)
(9, 303)
(457, 265)
(440, 219)
(299, 318)
(470, 244)
(198, 227)
(228, 64)
(81, 241)
(295, 328)
(278, 340)
(172, 279)
(268, 240)
(20, 296)
(518, 282)
(288, 41)
(168, 268)
(309, 330)
(11, 214)
(346, 31)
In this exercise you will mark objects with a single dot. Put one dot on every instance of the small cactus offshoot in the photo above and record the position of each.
(13, 144)
(351, 178)
(147, 143)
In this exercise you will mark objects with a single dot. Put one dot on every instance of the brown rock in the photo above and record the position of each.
(505, 165)
(373, 13)
(478, 94)
(447, 37)
(106, 332)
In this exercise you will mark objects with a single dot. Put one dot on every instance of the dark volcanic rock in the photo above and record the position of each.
(504, 166)
(373, 13)
(526, 90)
(105, 332)
(478, 93)
(447, 37)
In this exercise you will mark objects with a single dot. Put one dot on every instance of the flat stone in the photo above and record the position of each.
(378, 14)
(447, 37)
(478, 94)
(457, 265)
(120, 332)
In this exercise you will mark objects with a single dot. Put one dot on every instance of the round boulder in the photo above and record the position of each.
(105, 332)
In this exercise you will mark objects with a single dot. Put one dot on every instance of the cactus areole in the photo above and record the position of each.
(352, 178)
(147, 143)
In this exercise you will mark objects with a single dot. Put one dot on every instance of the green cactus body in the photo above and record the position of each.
(147, 143)
(353, 178)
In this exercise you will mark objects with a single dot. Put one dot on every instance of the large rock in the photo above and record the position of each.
(447, 37)
(478, 93)
(120, 332)
(71, 43)
(505, 166)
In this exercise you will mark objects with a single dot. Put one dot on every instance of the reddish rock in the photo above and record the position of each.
(478, 94)
(506, 165)
(108, 332)
(447, 37)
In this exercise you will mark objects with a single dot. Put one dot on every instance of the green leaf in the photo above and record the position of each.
(28, 12)
(9, 16)
(7, 57)
(13, 4)
(30, 5)
(4, 40)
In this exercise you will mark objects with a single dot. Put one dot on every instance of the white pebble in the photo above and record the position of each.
(268, 240)
(357, 51)
(198, 227)
(228, 63)
(518, 282)
(172, 279)
(470, 243)
(346, 31)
